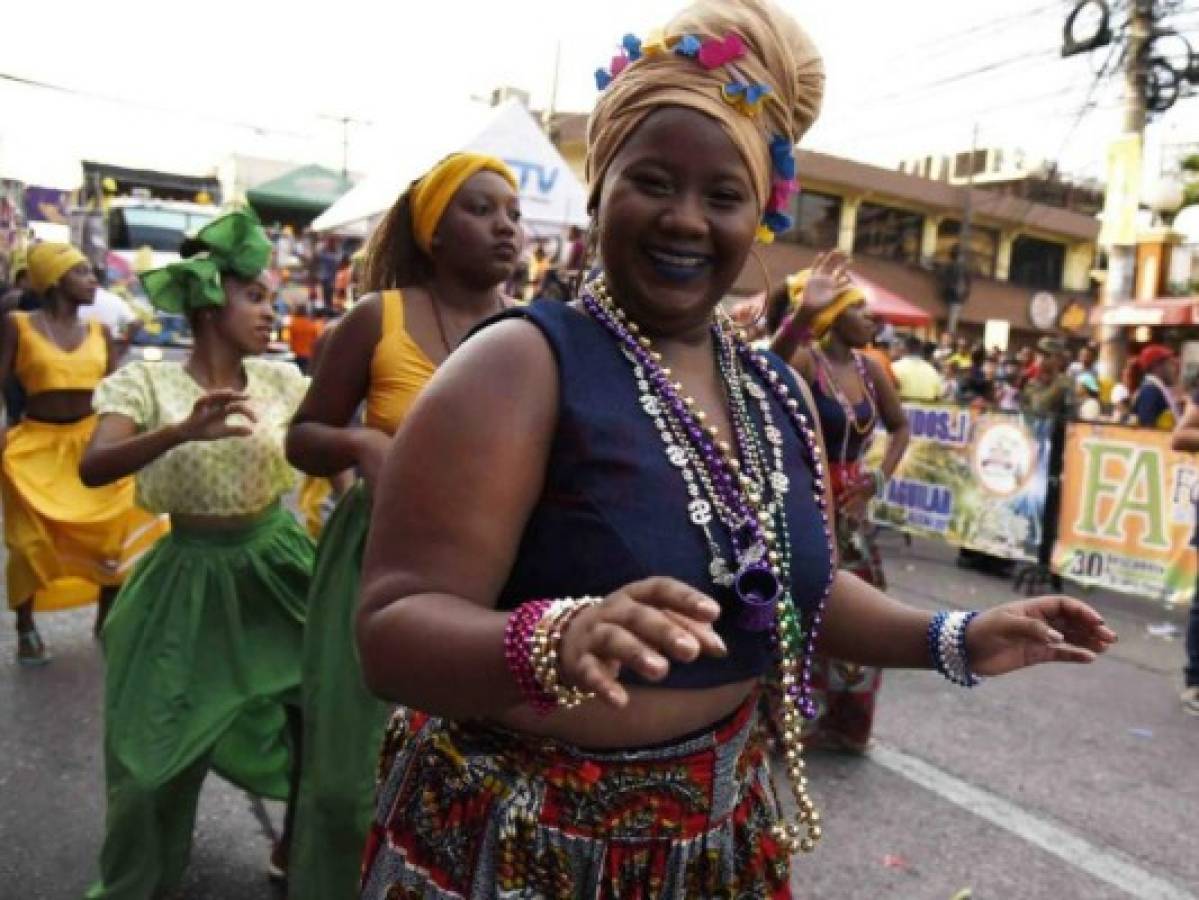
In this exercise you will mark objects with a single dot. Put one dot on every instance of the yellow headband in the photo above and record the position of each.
(433, 193)
(48, 262)
(823, 320)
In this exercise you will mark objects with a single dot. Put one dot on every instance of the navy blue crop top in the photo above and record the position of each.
(614, 509)
(834, 425)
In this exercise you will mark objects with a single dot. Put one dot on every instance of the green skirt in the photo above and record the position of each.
(343, 721)
(202, 650)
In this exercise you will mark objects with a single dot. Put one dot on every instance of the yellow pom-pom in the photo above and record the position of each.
(765, 235)
(655, 43)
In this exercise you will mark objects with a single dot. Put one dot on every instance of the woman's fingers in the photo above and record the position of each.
(674, 595)
(593, 675)
(1071, 654)
(710, 642)
(239, 408)
(615, 644)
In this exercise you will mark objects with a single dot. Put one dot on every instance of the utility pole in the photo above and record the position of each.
(1121, 260)
(961, 266)
(345, 139)
(547, 123)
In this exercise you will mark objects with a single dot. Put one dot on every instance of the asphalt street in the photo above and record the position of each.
(1058, 782)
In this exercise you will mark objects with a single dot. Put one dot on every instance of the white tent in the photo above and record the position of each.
(551, 196)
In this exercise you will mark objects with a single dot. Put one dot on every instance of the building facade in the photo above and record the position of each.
(1030, 263)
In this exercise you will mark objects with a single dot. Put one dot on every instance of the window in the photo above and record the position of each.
(158, 228)
(888, 232)
(968, 164)
(817, 219)
(984, 245)
(1037, 263)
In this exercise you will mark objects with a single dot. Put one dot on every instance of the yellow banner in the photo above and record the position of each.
(1127, 512)
(1123, 192)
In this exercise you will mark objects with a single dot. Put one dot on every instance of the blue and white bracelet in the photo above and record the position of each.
(947, 647)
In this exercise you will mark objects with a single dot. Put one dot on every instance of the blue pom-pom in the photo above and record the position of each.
(782, 154)
(756, 92)
(632, 47)
(688, 46)
(777, 222)
(602, 79)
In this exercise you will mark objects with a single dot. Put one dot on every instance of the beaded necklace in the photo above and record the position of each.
(741, 485)
(842, 399)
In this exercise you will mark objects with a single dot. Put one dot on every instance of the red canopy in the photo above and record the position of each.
(891, 307)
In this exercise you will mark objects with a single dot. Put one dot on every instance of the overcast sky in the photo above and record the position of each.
(255, 77)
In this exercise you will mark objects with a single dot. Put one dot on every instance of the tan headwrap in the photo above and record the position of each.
(780, 54)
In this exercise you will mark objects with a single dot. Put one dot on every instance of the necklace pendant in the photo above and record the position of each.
(752, 555)
(718, 569)
(758, 589)
(780, 482)
(701, 512)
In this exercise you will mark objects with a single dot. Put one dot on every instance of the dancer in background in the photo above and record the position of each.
(64, 539)
(202, 649)
(853, 395)
(435, 268)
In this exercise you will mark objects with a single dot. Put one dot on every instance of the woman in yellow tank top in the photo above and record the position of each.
(64, 540)
(435, 268)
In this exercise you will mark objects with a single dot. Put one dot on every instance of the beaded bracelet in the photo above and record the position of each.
(947, 647)
(878, 480)
(792, 329)
(545, 643)
(532, 636)
(518, 638)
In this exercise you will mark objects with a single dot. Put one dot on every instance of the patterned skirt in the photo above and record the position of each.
(473, 811)
(844, 692)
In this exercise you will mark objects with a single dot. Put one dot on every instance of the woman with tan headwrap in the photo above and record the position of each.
(64, 540)
(632, 447)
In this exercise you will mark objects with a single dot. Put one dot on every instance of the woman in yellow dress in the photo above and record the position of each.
(434, 269)
(64, 540)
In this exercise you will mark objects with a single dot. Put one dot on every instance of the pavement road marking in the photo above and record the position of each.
(1105, 865)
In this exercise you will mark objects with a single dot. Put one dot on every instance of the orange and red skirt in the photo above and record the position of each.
(472, 811)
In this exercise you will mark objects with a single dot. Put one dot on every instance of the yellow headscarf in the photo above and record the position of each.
(824, 320)
(779, 54)
(433, 193)
(49, 261)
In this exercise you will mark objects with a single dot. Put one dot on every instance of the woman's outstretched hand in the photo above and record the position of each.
(643, 626)
(209, 419)
(830, 277)
(1038, 630)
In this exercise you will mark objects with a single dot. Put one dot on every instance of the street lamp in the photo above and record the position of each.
(1165, 197)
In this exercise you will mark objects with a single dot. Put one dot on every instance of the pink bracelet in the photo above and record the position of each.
(518, 652)
(801, 333)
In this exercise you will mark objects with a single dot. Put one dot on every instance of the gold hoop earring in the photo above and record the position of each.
(766, 286)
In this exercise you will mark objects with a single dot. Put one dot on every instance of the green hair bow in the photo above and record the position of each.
(233, 244)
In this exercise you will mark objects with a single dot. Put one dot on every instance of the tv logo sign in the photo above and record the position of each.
(531, 175)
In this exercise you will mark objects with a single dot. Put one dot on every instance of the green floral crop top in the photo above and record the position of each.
(229, 477)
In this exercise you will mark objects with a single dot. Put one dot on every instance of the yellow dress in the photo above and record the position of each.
(64, 539)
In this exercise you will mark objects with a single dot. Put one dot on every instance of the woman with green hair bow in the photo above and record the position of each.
(203, 643)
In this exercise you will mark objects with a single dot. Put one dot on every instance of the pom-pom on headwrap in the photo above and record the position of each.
(746, 64)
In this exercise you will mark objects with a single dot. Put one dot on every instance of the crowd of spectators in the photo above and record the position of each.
(1046, 379)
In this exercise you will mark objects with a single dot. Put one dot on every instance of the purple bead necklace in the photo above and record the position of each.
(761, 583)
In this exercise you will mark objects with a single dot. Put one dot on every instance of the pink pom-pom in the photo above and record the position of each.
(715, 52)
(619, 64)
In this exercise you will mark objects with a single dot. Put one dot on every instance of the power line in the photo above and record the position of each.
(991, 25)
(125, 101)
(962, 114)
(968, 74)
